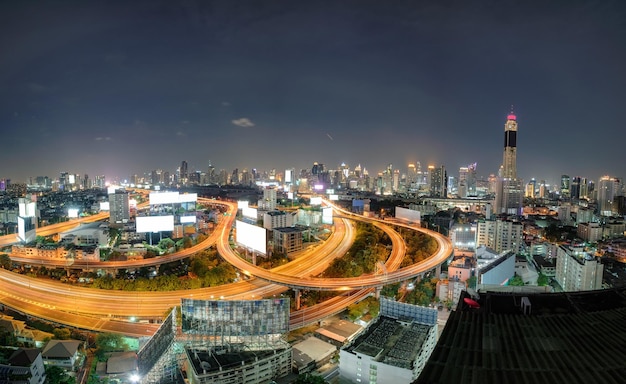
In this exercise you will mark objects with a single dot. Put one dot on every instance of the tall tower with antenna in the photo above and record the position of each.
(509, 192)
(509, 161)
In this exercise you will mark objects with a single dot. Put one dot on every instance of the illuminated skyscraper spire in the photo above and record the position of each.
(509, 162)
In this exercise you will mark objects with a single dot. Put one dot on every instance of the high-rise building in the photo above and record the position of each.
(119, 206)
(575, 188)
(577, 270)
(565, 187)
(438, 181)
(608, 189)
(500, 235)
(27, 219)
(184, 172)
(509, 190)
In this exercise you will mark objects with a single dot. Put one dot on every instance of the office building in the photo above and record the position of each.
(288, 239)
(438, 181)
(236, 341)
(119, 206)
(577, 270)
(500, 235)
(27, 219)
(278, 219)
(608, 189)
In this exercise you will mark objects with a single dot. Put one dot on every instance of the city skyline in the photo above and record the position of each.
(122, 88)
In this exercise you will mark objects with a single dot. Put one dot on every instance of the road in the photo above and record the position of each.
(89, 308)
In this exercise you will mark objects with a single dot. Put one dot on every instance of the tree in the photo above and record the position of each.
(57, 375)
(542, 280)
(62, 333)
(471, 282)
(110, 342)
(308, 378)
(5, 261)
(516, 281)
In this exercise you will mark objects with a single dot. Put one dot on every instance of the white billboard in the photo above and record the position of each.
(188, 198)
(251, 236)
(155, 223)
(249, 212)
(163, 198)
(242, 204)
(72, 213)
(105, 206)
(408, 214)
(333, 197)
(290, 195)
(327, 215)
(288, 176)
(316, 201)
(187, 219)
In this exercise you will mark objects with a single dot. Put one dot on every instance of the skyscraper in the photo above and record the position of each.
(509, 161)
(509, 190)
(438, 181)
(608, 189)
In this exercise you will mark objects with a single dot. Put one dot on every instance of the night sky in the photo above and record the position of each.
(121, 87)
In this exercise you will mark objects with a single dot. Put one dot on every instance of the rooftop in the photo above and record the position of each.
(563, 337)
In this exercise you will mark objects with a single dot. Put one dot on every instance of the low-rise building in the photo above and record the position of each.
(394, 348)
(62, 353)
(25, 366)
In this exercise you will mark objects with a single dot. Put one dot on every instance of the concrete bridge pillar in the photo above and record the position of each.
(438, 271)
(298, 295)
(377, 292)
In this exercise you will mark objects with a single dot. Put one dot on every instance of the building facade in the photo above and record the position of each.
(577, 270)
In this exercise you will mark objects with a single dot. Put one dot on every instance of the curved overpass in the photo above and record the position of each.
(393, 275)
(58, 301)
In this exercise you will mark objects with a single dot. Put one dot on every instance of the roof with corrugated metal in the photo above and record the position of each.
(563, 338)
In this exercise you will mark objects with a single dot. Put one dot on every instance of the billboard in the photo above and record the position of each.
(235, 318)
(188, 198)
(242, 204)
(155, 223)
(408, 214)
(333, 197)
(316, 200)
(187, 219)
(249, 212)
(288, 175)
(163, 198)
(327, 215)
(251, 236)
(105, 206)
(72, 213)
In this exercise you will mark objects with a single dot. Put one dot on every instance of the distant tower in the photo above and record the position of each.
(509, 190)
(184, 172)
(509, 162)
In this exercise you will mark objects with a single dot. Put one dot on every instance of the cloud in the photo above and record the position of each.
(243, 122)
(107, 138)
(181, 133)
(225, 104)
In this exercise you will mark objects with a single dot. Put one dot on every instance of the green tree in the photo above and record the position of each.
(5, 261)
(62, 333)
(516, 281)
(542, 280)
(109, 342)
(57, 375)
(308, 378)
(471, 282)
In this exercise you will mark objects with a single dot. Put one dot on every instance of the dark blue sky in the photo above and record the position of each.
(122, 87)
